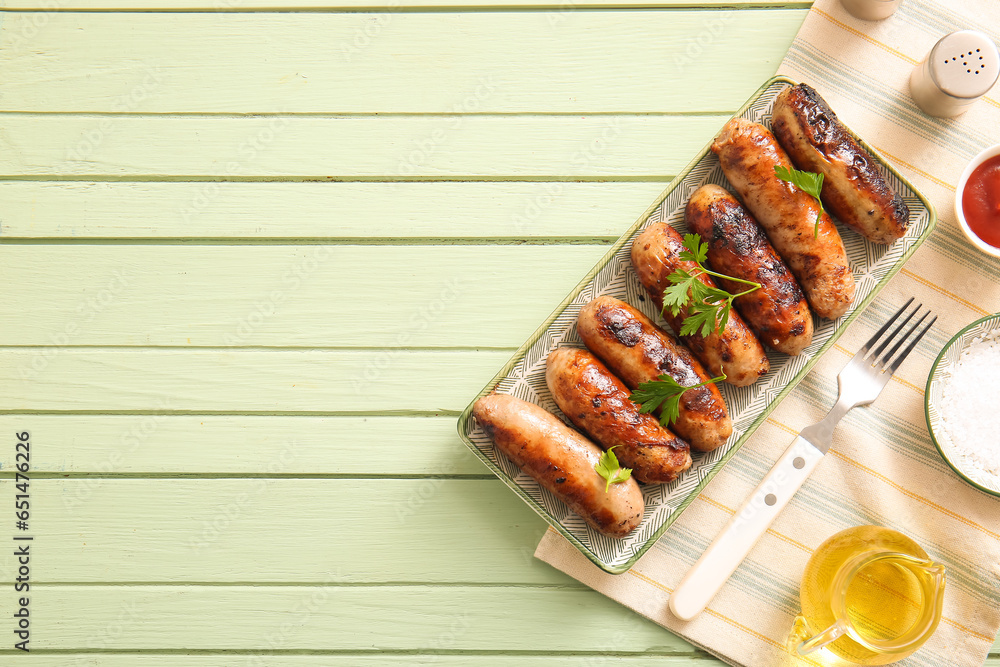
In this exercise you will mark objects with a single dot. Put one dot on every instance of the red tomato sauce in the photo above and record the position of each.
(981, 201)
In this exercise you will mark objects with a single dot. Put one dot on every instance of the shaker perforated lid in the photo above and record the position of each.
(964, 64)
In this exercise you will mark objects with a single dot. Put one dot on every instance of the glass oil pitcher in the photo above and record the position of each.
(870, 596)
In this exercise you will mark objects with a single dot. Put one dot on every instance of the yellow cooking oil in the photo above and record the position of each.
(883, 583)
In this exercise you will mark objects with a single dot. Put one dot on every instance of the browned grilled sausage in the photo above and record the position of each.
(737, 247)
(637, 351)
(749, 153)
(561, 460)
(598, 403)
(854, 187)
(736, 351)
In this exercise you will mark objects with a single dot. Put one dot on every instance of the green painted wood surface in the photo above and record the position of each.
(235, 445)
(214, 530)
(226, 476)
(373, 658)
(437, 62)
(313, 6)
(243, 381)
(315, 617)
(318, 148)
(323, 617)
(340, 211)
(290, 295)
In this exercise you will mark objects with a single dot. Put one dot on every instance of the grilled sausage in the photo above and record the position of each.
(637, 351)
(749, 153)
(737, 247)
(736, 351)
(854, 188)
(598, 403)
(561, 460)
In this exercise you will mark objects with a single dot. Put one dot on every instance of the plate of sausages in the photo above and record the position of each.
(568, 395)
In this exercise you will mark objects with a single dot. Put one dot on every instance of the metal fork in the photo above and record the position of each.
(860, 382)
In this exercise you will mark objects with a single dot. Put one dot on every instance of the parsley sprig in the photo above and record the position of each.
(808, 182)
(666, 392)
(708, 307)
(609, 468)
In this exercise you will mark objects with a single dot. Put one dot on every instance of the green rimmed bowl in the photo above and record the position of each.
(940, 372)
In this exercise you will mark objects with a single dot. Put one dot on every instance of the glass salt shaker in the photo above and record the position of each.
(961, 68)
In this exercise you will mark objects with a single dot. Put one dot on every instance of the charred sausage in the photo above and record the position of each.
(749, 153)
(777, 312)
(637, 351)
(598, 403)
(854, 187)
(736, 351)
(561, 460)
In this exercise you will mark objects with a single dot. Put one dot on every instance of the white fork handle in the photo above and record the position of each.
(724, 555)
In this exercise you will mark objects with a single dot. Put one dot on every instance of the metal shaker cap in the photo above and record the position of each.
(964, 64)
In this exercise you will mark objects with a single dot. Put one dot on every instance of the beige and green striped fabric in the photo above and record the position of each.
(883, 468)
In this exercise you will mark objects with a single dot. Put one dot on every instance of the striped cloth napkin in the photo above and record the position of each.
(883, 468)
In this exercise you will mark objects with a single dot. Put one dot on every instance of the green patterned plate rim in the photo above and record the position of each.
(523, 374)
(932, 395)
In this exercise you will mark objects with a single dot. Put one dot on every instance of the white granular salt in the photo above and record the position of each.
(970, 411)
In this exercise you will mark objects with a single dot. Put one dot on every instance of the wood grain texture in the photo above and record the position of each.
(243, 382)
(208, 445)
(330, 514)
(652, 658)
(337, 618)
(349, 148)
(274, 658)
(51, 6)
(257, 211)
(310, 296)
(466, 62)
(366, 618)
(335, 531)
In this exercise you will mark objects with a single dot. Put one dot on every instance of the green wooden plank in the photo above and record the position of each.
(318, 148)
(325, 531)
(355, 618)
(435, 210)
(286, 295)
(242, 381)
(657, 659)
(275, 659)
(380, 5)
(564, 60)
(188, 445)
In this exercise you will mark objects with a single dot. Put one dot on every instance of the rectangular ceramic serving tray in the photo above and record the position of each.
(524, 375)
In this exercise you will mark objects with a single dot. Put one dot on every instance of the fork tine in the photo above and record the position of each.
(909, 348)
(892, 336)
(902, 339)
(878, 334)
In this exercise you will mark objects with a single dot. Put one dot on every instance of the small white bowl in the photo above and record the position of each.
(941, 370)
(990, 152)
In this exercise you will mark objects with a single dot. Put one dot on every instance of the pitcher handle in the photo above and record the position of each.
(831, 634)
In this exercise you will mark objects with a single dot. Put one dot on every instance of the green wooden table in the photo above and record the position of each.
(256, 259)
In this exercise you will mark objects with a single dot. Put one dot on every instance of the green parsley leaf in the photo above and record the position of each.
(708, 306)
(808, 182)
(696, 251)
(700, 320)
(664, 392)
(608, 468)
(676, 296)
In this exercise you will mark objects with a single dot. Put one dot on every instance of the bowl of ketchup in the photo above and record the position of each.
(977, 201)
